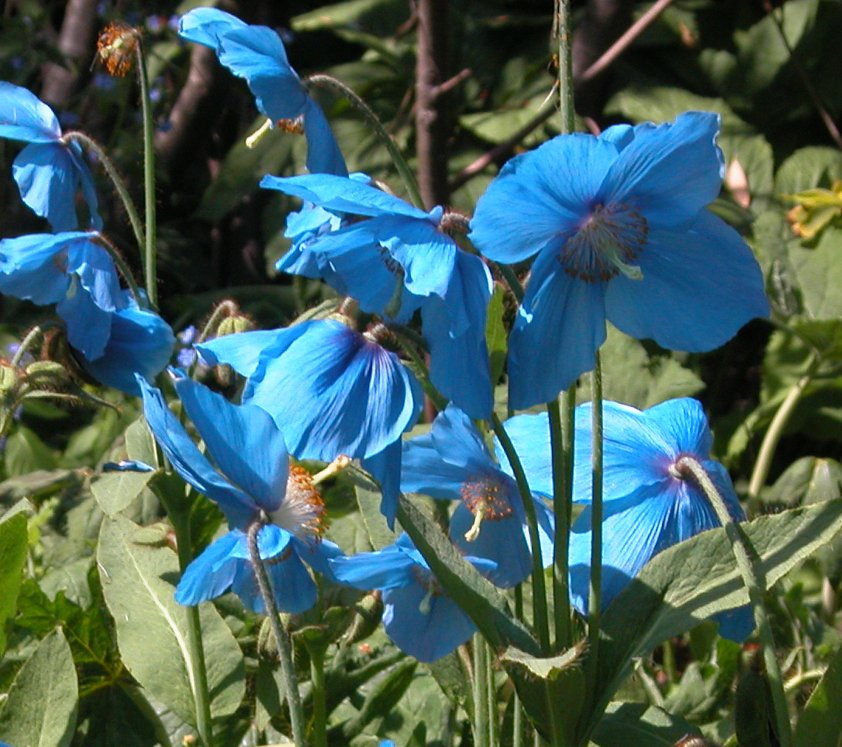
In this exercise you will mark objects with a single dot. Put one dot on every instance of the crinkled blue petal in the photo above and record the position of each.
(455, 332)
(207, 25)
(211, 574)
(699, 287)
(190, 463)
(257, 54)
(385, 466)
(323, 154)
(318, 554)
(34, 267)
(389, 568)
(668, 172)
(88, 326)
(140, 343)
(23, 116)
(243, 351)
(97, 274)
(343, 195)
(683, 424)
(539, 196)
(47, 179)
(428, 636)
(558, 330)
(243, 441)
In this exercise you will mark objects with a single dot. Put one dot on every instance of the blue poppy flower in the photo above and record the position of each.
(394, 263)
(49, 171)
(452, 462)
(139, 343)
(331, 390)
(257, 54)
(72, 271)
(621, 230)
(246, 471)
(418, 615)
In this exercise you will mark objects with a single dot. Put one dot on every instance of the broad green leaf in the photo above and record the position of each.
(820, 723)
(818, 273)
(38, 483)
(498, 126)
(751, 155)
(495, 333)
(13, 544)
(636, 378)
(152, 629)
(813, 166)
(375, 16)
(25, 452)
(41, 707)
(545, 668)
(140, 446)
(641, 725)
(115, 491)
(806, 480)
(368, 502)
(694, 580)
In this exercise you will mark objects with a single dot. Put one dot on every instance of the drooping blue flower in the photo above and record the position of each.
(452, 462)
(331, 390)
(72, 271)
(394, 263)
(622, 232)
(418, 615)
(245, 471)
(139, 343)
(257, 54)
(648, 506)
(49, 171)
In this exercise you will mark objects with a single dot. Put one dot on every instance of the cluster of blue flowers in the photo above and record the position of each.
(620, 231)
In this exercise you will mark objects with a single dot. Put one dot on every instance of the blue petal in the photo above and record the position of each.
(455, 332)
(97, 274)
(683, 424)
(318, 554)
(243, 440)
(88, 326)
(530, 436)
(539, 196)
(243, 351)
(558, 330)
(737, 624)
(668, 172)
(429, 636)
(257, 54)
(23, 116)
(698, 288)
(343, 195)
(389, 568)
(34, 267)
(343, 393)
(140, 343)
(323, 154)
(46, 177)
(211, 574)
(207, 25)
(190, 463)
(385, 467)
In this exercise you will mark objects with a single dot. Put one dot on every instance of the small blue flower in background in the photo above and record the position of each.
(139, 343)
(621, 230)
(394, 263)
(257, 54)
(248, 477)
(72, 271)
(647, 507)
(418, 616)
(49, 171)
(186, 354)
(331, 390)
(452, 463)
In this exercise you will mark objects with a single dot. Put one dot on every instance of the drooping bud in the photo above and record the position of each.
(234, 324)
(47, 375)
(116, 48)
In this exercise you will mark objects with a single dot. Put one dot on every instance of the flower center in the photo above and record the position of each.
(485, 497)
(606, 244)
(430, 585)
(302, 510)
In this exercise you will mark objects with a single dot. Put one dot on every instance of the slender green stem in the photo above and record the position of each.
(150, 251)
(564, 37)
(561, 416)
(595, 591)
(26, 343)
(482, 737)
(539, 590)
(517, 716)
(296, 712)
(338, 87)
(776, 428)
(689, 467)
(317, 679)
(122, 190)
(423, 373)
(491, 694)
(122, 268)
(181, 524)
(511, 280)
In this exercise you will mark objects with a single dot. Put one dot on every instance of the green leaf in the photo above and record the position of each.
(13, 544)
(37, 484)
(41, 707)
(820, 723)
(818, 272)
(115, 491)
(545, 668)
(814, 166)
(152, 629)
(25, 453)
(806, 480)
(640, 725)
(496, 127)
(690, 582)
(379, 17)
(368, 502)
(140, 446)
(495, 333)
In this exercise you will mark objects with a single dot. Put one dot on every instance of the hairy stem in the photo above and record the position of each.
(150, 252)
